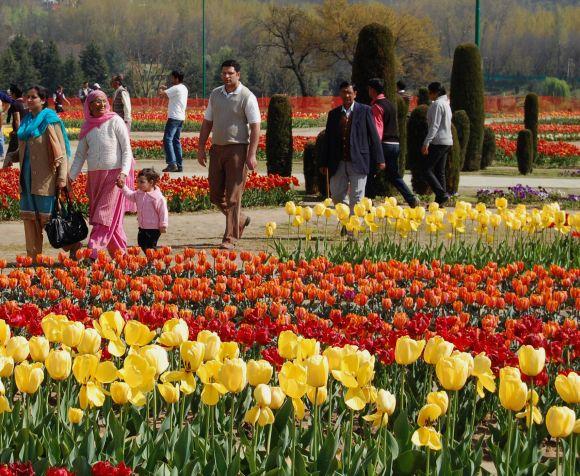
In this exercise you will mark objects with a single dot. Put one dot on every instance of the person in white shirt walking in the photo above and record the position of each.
(438, 142)
(121, 100)
(177, 95)
(233, 118)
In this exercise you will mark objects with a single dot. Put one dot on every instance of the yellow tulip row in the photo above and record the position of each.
(371, 218)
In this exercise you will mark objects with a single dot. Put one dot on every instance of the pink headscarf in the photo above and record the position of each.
(90, 121)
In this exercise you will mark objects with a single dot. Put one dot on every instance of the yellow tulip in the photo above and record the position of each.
(531, 360)
(287, 345)
(120, 393)
(427, 436)
(319, 209)
(278, 398)
(317, 395)
(441, 399)
(52, 326)
(307, 214)
(208, 373)
(233, 375)
(560, 421)
(138, 372)
(408, 350)
(334, 356)
(110, 325)
(342, 211)
(6, 366)
(482, 371)
(290, 208)
(28, 377)
(270, 229)
(263, 395)
(531, 412)
(386, 402)
(169, 392)
(212, 344)
(436, 348)
(452, 372)
(259, 372)
(90, 342)
(428, 414)
(261, 415)
(513, 393)
(292, 379)
(157, 357)
(72, 333)
(39, 348)
(4, 405)
(91, 395)
(175, 332)
(356, 399)
(4, 332)
(137, 334)
(192, 355)
(360, 210)
(228, 350)
(58, 364)
(18, 348)
(75, 415)
(186, 379)
(568, 387)
(466, 357)
(317, 371)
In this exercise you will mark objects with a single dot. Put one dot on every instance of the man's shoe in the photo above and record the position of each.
(171, 168)
(443, 201)
(244, 225)
(227, 245)
(414, 204)
(179, 168)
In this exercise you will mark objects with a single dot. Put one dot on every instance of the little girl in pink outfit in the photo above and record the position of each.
(152, 214)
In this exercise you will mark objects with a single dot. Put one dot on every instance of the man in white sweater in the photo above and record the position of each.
(438, 142)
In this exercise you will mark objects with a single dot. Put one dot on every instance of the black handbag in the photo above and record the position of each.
(66, 225)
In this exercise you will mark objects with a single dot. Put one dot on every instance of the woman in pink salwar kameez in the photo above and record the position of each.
(105, 146)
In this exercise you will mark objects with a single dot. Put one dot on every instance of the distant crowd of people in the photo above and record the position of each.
(361, 141)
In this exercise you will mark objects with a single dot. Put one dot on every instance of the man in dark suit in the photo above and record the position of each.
(353, 148)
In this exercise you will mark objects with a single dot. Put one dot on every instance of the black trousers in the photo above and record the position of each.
(434, 170)
(391, 154)
(148, 238)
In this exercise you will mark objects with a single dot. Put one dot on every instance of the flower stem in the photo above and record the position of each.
(269, 439)
(428, 470)
(509, 445)
(293, 442)
(231, 435)
(315, 438)
(558, 457)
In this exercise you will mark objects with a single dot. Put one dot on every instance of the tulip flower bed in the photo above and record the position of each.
(549, 132)
(466, 233)
(550, 154)
(102, 468)
(526, 194)
(183, 194)
(240, 364)
(153, 149)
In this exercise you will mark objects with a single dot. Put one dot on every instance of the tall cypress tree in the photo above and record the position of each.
(71, 76)
(51, 69)
(93, 64)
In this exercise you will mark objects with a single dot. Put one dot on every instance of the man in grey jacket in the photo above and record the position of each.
(438, 142)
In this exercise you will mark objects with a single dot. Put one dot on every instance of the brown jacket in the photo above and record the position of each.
(48, 160)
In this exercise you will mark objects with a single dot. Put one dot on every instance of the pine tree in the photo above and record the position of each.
(71, 76)
(93, 64)
(24, 73)
(51, 69)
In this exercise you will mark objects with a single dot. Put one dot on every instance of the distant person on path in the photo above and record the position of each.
(353, 148)
(121, 100)
(152, 214)
(96, 87)
(59, 99)
(402, 91)
(177, 95)
(233, 118)
(16, 113)
(438, 142)
(84, 91)
(385, 116)
(43, 151)
(104, 144)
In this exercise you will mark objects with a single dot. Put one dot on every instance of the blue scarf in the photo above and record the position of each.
(34, 126)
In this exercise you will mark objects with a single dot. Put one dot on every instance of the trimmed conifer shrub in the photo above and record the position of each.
(319, 149)
(467, 94)
(402, 113)
(453, 164)
(279, 149)
(374, 57)
(524, 151)
(310, 168)
(423, 96)
(460, 120)
(488, 150)
(531, 113)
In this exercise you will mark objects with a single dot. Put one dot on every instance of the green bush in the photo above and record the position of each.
(279, 149)
(460, 120)
(416, 133)
(524, 152)
(453, 164)
(423, 96)
(310, 168)
(374, 57)
(319, 150)
(488, 150)
(467, 94)
(531, 113)
(555, 87)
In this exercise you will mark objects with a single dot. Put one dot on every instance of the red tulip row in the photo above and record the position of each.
(102, 468)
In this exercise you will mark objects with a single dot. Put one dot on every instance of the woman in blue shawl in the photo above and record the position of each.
(43, 151)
